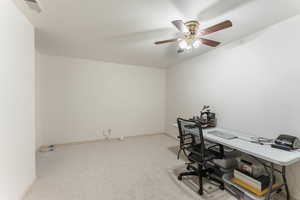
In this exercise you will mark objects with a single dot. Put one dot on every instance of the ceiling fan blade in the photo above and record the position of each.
(166, 41)
(208, 42)
(217, 27)
(179, 24)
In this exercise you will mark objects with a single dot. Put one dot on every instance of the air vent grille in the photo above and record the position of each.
(34, 5)
(32, 1)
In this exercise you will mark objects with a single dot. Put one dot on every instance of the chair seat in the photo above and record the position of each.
(195, 156)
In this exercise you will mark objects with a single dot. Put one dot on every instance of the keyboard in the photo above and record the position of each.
(223, 135)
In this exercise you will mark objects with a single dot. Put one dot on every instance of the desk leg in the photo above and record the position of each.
(221, 149)
(271, 182)
(271, 174)
(285, 183)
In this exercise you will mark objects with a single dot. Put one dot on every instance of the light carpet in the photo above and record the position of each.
(136, 168)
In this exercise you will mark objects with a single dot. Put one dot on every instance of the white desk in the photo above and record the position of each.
(264, 152)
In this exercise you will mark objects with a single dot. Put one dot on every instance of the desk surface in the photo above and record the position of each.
(265, 152)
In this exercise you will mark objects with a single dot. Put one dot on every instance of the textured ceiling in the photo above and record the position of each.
(124, 31)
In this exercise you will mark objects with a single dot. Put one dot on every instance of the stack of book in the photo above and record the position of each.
(258, 186)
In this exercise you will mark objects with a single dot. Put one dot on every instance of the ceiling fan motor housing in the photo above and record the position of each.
(193, 26)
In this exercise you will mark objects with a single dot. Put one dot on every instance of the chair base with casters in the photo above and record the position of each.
(201, 171)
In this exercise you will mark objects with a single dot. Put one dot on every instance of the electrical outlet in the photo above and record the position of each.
(105, 135)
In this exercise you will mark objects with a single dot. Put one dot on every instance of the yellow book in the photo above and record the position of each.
(250, 188)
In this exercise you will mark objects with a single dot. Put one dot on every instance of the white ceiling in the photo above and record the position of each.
(124, 31)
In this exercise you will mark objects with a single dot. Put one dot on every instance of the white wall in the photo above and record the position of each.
(253, 85)
(78, 99)
(17, 128)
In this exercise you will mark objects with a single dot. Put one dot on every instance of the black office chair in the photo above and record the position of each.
(193, 146)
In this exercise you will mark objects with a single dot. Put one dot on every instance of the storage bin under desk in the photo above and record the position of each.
(247, 195)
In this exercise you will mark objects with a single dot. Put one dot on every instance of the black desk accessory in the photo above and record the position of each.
(286, 142)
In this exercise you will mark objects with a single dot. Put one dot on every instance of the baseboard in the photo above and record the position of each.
(171, 136)
(144, 135)
(73, 143)
(28, 189)
(95, 141)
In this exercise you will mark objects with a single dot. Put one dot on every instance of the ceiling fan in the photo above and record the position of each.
(192, 36)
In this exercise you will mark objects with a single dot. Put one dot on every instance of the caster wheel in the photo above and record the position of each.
(278, 191)
(222, 187)
(180, 178)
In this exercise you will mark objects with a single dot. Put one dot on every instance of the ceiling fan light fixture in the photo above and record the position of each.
(183, 44)
(192, 36)
(189, 47)
(196, 43)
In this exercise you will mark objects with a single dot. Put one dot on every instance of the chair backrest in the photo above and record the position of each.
(190, 134)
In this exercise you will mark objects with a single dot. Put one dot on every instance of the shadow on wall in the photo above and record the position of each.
(207, 9)
(244, 40)
(225, 46)
(149, 35)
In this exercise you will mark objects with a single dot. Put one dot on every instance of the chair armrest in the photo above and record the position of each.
(219, 153)
(195, 152)
(213, 146)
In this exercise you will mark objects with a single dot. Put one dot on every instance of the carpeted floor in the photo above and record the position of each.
(138, 168)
